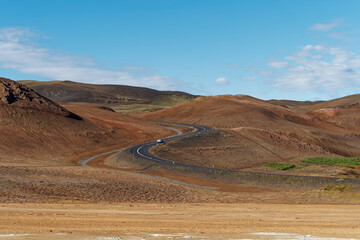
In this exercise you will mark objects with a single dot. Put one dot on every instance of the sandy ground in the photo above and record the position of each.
(161, 221)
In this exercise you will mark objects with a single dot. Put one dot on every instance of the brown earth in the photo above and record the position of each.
(37, 134)
(343, 112)
(339, 102)
(255, 132)
(344, 116)
(198, 221)
(239, 149)
(228, 112)
(115, 185)
(36, 131)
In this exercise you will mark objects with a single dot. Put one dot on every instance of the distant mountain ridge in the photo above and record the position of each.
(294, 104)
(68, 91)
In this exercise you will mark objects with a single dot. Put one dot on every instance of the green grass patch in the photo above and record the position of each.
(343, 161)
(171, 101)
(137, 108)
(151, 107)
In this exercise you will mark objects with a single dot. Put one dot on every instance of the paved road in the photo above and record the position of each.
(83, 162)
(148, 145)
(142, 150)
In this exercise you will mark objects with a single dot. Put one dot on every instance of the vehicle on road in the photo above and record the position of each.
(160, 140)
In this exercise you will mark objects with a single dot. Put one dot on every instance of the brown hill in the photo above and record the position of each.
(35, 130)
(343, 102)
(343, 112)
(236, 111)
(345, 116)
(67, 91)
(257, 132)
(294, 104)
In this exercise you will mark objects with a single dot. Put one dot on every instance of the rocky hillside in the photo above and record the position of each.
(34, 130)
(19, 95)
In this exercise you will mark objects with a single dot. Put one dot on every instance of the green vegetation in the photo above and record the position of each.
(284, 166)
(135, 108)
(171, 101)
(153, 106)
(343, 161)
(340, 188)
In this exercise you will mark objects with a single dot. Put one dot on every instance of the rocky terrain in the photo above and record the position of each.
(21, 96)
(255, 132)
(35, 130)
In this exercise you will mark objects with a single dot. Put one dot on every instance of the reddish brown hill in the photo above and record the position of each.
(343, 102)
(273, 128)
(344, 112)
(35, 130)
(345, 116)
(236, 111)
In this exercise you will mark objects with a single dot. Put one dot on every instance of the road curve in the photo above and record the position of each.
(176, 136)
(142, 150)
(83, 162)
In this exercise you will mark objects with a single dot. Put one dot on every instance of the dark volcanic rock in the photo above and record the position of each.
(19, 95)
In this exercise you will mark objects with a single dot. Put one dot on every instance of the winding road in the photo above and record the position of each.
(142, 151)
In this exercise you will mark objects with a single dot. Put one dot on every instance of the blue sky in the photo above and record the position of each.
(301, 50)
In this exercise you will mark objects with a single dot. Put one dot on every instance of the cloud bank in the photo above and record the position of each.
(19, 54)
(316, 67)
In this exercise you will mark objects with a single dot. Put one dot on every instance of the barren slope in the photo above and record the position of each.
(35, 130)
(335, 103)
(344, 112)
(235, 111)
(260, 132)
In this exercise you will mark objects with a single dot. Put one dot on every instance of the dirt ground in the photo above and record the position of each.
(154, 221)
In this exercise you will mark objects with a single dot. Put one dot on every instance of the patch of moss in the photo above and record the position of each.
(344, 161)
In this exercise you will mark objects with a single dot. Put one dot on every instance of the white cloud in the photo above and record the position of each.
(326, 26)
(275, 63)
(18, 54)
(222, 81)
(317, 67)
